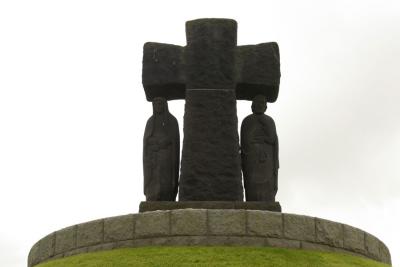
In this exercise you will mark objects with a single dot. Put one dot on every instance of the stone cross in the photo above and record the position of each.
(211, 73)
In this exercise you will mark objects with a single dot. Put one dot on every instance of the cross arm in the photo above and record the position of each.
(162, 74)
(257, 71)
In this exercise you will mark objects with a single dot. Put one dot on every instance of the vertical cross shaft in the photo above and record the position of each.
(210, 166)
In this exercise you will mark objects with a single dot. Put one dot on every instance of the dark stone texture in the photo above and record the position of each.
(259, 149)
(210, 53)
(169, 205)
(211, 59)
(210, 168)
(161, 154)
(258, 71)
(162, 74)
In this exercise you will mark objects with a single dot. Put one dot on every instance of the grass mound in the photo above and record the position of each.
(212, 256)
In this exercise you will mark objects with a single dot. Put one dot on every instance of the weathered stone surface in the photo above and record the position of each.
(161, 154)
(46, 247)
(224, 227)
(163, 71)
(372, 246)
(353, 239)
(188, 240)
(125, 244)
(283, 243)
(315, 246)
(299, 227)
(210, 168)
(262, 223)
(119, 228)
(101, 247)
(76, 251)
(145, 242)
(258, 205)
(33, 257)
(171, 205)
(226, 222)
(211, 60)
(329, 233)
(155, 223)
(259, 71)
(65, 239)
(384, 254)
(90, 233)
(210, 53)
(236, 241)
(189, 222)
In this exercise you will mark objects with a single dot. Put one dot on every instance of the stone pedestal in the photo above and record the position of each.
(209, 227)
(235, 205)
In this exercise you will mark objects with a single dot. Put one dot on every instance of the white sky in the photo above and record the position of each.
(73, 110)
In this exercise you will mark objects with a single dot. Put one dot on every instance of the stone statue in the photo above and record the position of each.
(161, 154)
(259, 149)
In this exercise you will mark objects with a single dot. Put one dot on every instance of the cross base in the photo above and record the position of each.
(236, 205)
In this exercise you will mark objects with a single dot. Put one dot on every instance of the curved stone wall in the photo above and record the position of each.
(204, 227)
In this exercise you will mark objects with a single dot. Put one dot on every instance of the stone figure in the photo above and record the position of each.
(161, 154)
(259, 149)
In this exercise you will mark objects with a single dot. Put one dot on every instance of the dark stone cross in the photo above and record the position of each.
(211, 73)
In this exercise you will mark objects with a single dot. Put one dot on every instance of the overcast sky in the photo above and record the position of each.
(73, 109)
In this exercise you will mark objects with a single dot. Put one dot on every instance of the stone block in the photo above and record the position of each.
(258, 205)
(227, 222)
(353, 239)
(65, 239)
(124, 244)
(263, 223)
(235, 241)
(119, 228)
(189, 222)
(188, 240)
(282, 243)
(156, 223)
(76, 252)
(46, 247)
(145, 242)
(329, 233)
(33, 257)
(384, 254)
(372, 246)
(101, 247)
(90, 233)
(299, 227)
(160, 241)
(315, 246)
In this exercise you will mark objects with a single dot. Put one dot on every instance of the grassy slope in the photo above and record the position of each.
(212, 256)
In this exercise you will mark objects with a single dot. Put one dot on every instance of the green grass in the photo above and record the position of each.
(212, 256)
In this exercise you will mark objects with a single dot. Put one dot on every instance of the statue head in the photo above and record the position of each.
(259, 105)
(160, 105)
